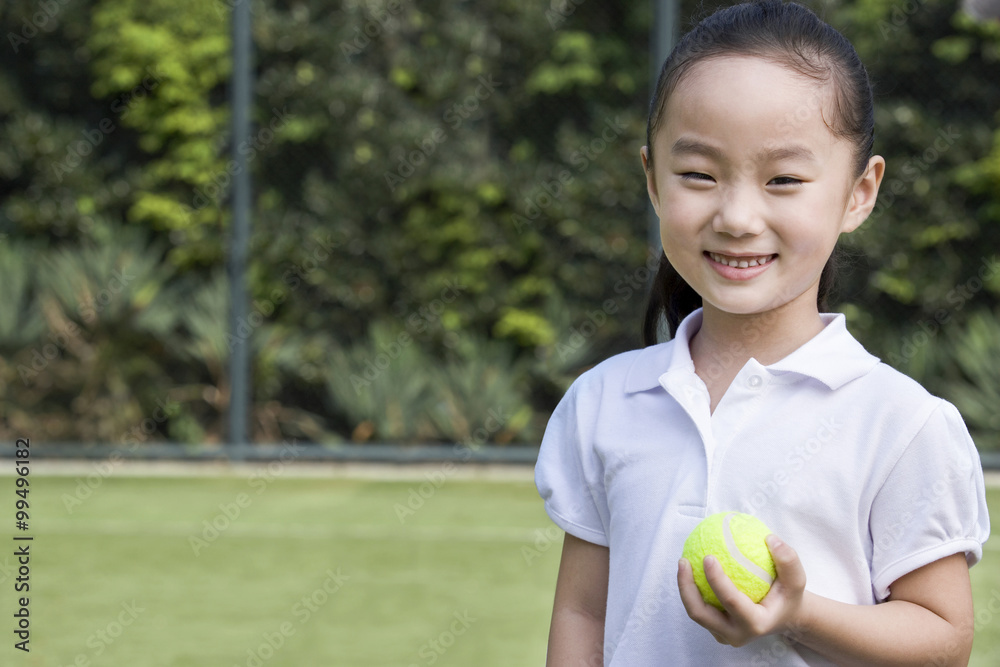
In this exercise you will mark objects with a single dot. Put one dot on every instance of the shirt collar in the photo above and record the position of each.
(832, 356)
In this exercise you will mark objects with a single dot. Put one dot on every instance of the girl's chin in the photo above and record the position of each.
(746, 305)
(741, 310)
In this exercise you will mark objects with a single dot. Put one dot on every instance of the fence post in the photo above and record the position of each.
(240, 340)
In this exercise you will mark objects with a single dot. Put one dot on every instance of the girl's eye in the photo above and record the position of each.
(696, 176)
(785, 180)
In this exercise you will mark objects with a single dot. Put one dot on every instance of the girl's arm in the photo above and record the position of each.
(577, 633)
(928, 618)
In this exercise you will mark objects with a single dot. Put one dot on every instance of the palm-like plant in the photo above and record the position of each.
(101, 326)
(975, 384)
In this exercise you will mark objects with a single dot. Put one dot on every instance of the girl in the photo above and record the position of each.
(758, 157)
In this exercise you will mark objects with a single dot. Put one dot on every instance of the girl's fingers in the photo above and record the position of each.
(700, 611)
(736, 602)
(743, 620)
(791, 574)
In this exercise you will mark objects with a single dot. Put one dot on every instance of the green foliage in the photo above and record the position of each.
(925, 255)
(983, 176)
(972, 376)
(383, 387)
(482, 396)
(389, 389)
(574, 64)
(99, 359)
(465, 174)
(19, 324)
(160, 61)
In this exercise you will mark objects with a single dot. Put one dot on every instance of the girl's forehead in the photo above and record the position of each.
(753, 98)
(727, 77)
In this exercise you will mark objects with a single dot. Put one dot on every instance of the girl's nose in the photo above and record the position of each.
(738, 213)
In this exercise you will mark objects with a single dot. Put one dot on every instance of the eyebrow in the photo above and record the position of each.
(685, 146)
(793, 152)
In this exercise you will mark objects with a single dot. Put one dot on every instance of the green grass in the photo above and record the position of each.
(401, 584)
(477, 550)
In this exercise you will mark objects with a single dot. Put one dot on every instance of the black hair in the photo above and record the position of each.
(789, 34)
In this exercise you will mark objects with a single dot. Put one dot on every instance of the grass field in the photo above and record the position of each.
(303, 572)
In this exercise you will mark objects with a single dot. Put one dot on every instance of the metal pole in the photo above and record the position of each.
(239, 360)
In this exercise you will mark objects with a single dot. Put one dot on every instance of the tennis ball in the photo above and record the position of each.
(737, 540)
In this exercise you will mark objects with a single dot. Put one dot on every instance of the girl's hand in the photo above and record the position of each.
(746, 621)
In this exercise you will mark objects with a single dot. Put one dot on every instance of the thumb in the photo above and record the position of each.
(791, 574)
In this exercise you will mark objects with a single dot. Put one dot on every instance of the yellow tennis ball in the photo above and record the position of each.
(737, 540)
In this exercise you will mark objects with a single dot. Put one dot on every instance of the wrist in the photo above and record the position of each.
(802, 623)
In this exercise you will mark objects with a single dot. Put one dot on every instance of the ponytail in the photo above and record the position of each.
(669, 297)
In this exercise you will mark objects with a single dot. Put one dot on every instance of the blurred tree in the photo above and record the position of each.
(927, 261)
(464, 174)
(457, 170)
(163, 63)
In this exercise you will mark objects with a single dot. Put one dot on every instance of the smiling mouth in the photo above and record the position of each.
(742, 262)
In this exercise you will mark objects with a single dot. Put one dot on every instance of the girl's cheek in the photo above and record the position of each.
(685, 211)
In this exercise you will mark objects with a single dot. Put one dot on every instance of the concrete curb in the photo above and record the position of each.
(372, 462)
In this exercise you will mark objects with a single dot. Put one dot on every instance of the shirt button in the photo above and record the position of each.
(754, 381)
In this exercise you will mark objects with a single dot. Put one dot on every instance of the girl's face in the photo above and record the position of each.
(751, 186)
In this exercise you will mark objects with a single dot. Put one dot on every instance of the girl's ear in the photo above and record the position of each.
(865, 192)
(647, 168)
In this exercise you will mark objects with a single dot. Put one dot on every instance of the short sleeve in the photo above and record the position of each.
(932, 503)
(569, 474)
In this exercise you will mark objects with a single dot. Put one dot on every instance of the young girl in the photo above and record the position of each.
(758, 157)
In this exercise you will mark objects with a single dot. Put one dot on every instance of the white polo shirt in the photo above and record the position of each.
(865, 474)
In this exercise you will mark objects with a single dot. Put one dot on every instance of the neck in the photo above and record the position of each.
(726, 341)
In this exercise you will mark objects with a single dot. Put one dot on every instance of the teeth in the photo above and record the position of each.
(741, 263)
